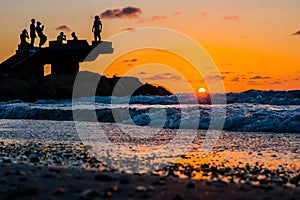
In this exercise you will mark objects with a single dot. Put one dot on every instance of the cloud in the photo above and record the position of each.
(128, 29)
(63, 28)
(153, 18)
(141, 73)
(176, 13)
(231, 18)
(259, 77)
(130, 62)
(203, 14)
(127, 12)
(296, 33)
(253, 83)
(226, 72)
(214, 77)
(297, 79)
(276, 83)
(237, 79)
(165, 76)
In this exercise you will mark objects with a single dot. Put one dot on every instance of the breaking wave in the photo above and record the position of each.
(252, 111)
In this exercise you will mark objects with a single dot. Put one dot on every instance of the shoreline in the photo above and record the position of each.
(33, 169)
(30, 182)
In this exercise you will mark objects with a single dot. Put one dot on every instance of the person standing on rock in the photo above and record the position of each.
(39, 31)
(97, 28)
(32, 32)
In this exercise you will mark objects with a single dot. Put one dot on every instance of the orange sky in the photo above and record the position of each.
(255, 44)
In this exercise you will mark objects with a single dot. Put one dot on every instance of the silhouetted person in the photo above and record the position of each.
(75, 38)
(23, 37)
(61, 37)
(97, 28)
(39, 31)
(32, 32)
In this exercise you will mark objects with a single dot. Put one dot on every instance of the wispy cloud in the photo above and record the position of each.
(63, 28)
(226, 72)
(276, 83)
(176, 13)
(214, 77)
(296, 33)
(297, 78)
(259, 77)
(153, 18)
(165, 76)
(127, 12)
(253, 83)
(203, 14)
(130, 62)
(231, 17)
(237, 79)
(128, 29)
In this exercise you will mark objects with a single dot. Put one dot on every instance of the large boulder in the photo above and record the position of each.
(56, 86)
(148, 89)
(85, 82)
(124, 86)
(60, 86)
(11, 88)
(117, 86)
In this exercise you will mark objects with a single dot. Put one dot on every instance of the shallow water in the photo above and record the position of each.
(135, 149)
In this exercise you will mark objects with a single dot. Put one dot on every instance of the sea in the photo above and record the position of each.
(122, 129)
(251, 111)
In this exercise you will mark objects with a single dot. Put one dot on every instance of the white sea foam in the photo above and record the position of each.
(243, 114)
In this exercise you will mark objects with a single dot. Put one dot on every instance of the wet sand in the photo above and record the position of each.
(241, 166)
(19, 181)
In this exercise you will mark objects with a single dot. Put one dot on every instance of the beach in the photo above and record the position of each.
(39, 164)
(163, 100)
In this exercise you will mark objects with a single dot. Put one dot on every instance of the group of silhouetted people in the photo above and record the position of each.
(62, 37)
(36, 29)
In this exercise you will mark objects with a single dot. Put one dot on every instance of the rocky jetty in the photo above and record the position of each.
(60, 86)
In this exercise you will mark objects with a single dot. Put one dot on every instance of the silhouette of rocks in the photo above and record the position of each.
(60, 86)
(56, 86)
(148, 89)
(11, 88)
(118, 86)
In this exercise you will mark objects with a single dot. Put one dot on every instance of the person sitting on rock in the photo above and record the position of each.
(39, 30)
(75, 38)
(61, 37)
(23, 37)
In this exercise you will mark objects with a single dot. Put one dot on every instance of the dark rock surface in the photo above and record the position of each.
(11, 88)
(60, 86)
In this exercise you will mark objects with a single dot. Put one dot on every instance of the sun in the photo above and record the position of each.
(202, 90)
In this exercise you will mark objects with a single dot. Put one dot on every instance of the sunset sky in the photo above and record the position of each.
(255, 44)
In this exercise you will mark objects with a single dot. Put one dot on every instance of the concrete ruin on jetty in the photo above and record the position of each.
(63, 58)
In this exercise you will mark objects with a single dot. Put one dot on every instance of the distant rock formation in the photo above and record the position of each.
(60, 86)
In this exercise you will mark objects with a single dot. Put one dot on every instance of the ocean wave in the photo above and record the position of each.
(250, 96)
(143, 111)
